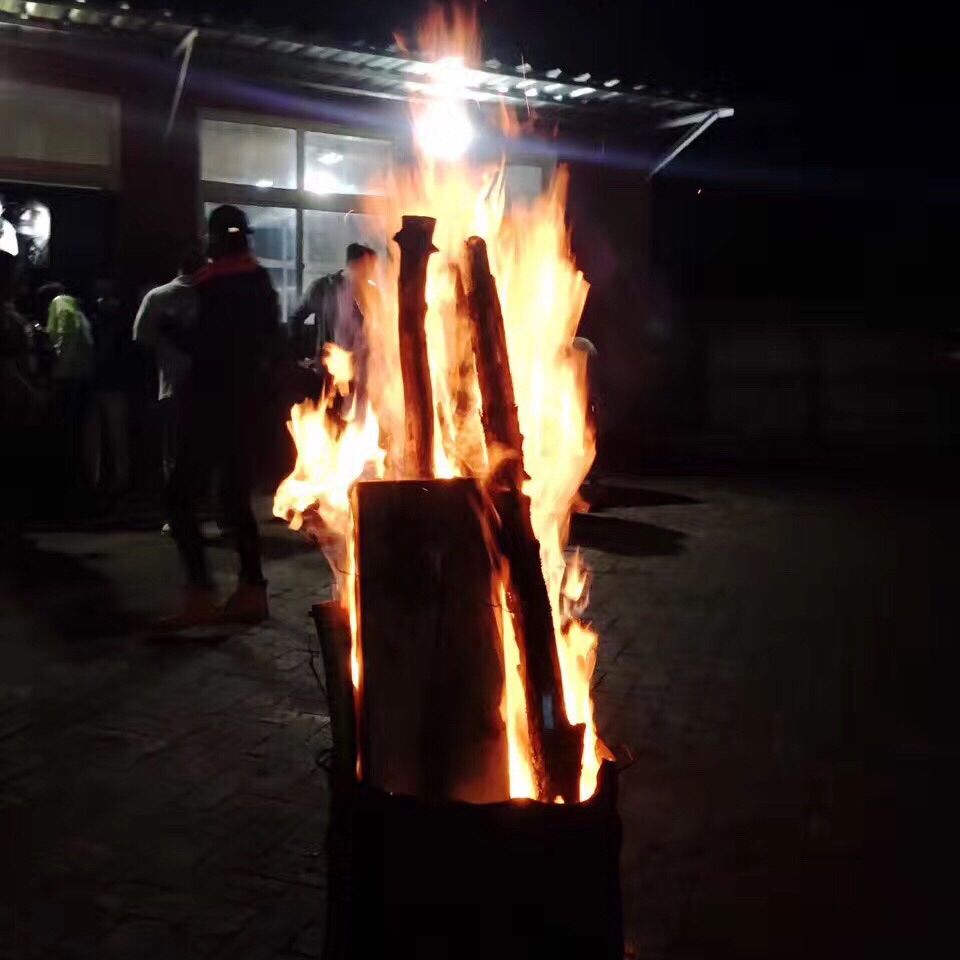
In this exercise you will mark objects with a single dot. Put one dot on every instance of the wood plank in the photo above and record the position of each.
(431, 651)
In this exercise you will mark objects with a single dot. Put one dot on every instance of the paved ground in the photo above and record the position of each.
(777, 660)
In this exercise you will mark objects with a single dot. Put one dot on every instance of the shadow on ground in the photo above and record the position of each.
(628, 538)
(605, 496)
(87, 603)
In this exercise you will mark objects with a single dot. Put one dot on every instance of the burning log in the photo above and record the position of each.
(501, 423)
(416, 244)
(432, 680)
(556, 745)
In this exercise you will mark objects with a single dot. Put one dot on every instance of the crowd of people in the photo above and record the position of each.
(214, 363)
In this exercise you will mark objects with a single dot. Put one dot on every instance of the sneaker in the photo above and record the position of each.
(248, 604)
(199, 609)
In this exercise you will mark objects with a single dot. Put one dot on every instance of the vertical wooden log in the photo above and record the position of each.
(501, 422)
(556, 744)
(416, 244)
(430, 644)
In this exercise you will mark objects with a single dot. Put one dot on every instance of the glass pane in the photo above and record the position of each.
(275, 244)
(336, 164)
(523, 183)
(248, 153)
(60, 126)
(325, 239)
(284, 279)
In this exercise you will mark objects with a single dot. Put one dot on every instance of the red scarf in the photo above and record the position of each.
(228, 266)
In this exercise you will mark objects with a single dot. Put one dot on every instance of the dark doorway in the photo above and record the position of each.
(82, 232)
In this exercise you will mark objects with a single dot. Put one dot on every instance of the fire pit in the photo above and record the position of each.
(474, 807)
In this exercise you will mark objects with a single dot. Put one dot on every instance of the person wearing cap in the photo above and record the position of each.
(233, 346)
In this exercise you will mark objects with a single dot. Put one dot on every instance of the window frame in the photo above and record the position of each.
(287, 196)
(105, 176)
(295, 198)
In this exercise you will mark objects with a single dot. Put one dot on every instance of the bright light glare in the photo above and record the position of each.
(264, 184)
(441, 126)
(320, 180)
(8, 239)
(443, 130)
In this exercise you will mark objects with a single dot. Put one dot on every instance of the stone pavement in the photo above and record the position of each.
(764, 664)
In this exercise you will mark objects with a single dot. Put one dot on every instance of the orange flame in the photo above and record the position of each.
(339, 364)
(513, 709)
(542, 297)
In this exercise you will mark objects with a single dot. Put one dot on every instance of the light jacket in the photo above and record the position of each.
(72, 339)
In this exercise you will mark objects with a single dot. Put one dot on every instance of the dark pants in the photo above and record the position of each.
(168, 436)
(209, 445)
(75, 412)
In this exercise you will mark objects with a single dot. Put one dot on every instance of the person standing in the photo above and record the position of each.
(338, 302)
(72, 340)
(234, 347)
(111, 380)
(21, 404)
(166, 313)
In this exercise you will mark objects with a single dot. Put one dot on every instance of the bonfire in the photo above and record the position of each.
(470, 381)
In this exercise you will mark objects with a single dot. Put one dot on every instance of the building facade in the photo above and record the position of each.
(120, 129)
(131, 125)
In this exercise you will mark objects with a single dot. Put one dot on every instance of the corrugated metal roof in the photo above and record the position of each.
(358, 68)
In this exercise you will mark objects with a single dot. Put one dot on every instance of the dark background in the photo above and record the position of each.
(82, 226)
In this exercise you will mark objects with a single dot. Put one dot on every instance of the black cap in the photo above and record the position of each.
(227, 220)
(357, 251)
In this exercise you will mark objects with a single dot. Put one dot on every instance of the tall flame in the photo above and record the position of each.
(542, 296)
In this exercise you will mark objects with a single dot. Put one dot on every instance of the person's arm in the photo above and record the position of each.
(145, 325)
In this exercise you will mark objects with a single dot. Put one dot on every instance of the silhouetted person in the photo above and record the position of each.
(21, 405)
(233, 348)
(338, 303)
(72, 340)
(166, 312)
(112, 369)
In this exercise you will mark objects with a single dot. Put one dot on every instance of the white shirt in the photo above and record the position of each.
(172, 303)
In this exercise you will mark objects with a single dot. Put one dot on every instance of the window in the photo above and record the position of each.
(337, 164)
(275, 244)
(325, 239)
(302, 221)
(248, 153)
(50, 125)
